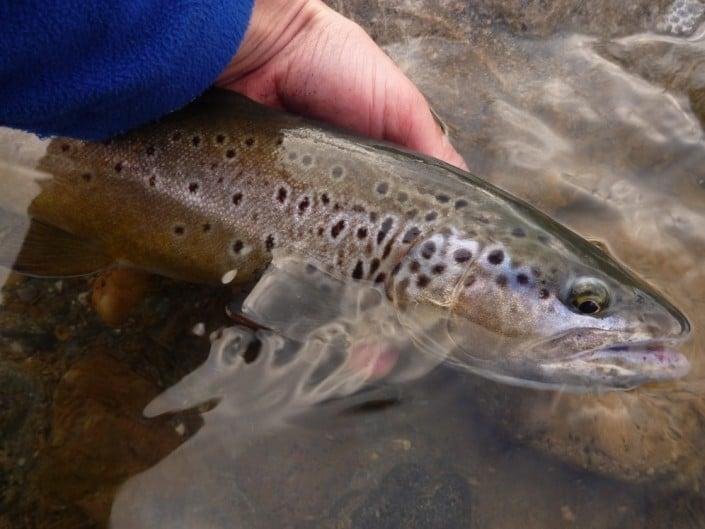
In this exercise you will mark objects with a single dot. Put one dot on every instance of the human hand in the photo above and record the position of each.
(302, 56)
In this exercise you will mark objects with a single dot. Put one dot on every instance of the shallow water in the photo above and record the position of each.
(594, 114)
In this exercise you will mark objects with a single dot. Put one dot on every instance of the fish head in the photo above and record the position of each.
(553, 311)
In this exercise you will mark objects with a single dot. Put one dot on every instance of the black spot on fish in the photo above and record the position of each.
(87, 177)
(522, 279)
(461, 255)
(411, 213)
(303, 205)
(176, 136)
(380, 277)
(443, 199)
(320, 231)
(361, 233)
(438, 269)
(495, 257)
(374, 265)
(382, 188)
(230, 153)
(414, 266)
(386, 226)
(281, 195)
(280, 140)
(220, 138)
(544, 293)
(402, 287)
(196, 140)
(431, 216)
(411, 235)
(518, 232)
(269, 242)
(238, 246)
(337, 171)
(293, 156)
(501, 280)
(388, 248)
(306, 160)
(150, 150)
(536, 272)
(325, 198)
(402, 197)
(193, 187)
(64, 147)
(358, 271)
(543, 239)
(206, 227)
(373, 216)
(461, 203)
(237, 198)
(358, 208)
(152, 181)
(422, 281)
(250, 142)
(396, 269)
(428, 249)
(337, 228)
(118, 167)
(179, 230)
(469, 281)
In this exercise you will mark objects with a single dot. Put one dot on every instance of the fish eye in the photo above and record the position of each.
(588, 296)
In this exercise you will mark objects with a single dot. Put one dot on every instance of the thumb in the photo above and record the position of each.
(410, 122)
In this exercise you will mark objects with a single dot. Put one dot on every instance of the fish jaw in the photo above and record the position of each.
(621, 366)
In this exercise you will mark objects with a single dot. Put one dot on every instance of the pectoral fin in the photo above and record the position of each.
(294, 298)
(298, 300)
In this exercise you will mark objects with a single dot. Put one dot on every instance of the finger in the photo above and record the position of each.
(411, 123)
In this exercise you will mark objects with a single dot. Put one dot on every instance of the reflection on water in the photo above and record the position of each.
(275, 451)
(594, 113)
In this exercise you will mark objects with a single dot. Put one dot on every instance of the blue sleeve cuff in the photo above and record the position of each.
(93, 68)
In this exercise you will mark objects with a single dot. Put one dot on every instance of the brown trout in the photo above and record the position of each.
(223, 187)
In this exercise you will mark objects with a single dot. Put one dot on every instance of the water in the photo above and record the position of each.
(592, 112)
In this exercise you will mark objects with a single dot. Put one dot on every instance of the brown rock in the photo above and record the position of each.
(99, 437)
(116, 292)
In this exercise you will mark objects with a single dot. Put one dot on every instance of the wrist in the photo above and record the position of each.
(273, 25)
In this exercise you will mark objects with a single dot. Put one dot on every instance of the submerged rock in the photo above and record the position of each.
(99, 437)
(117, 292)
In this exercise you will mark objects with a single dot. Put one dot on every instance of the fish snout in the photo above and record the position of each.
(665, 324)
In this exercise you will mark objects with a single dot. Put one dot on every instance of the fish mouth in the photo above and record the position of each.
(605, 362)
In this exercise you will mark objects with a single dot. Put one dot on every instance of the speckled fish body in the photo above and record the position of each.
(226, 185)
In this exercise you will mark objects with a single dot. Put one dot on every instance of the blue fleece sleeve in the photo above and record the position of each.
(92, 68)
